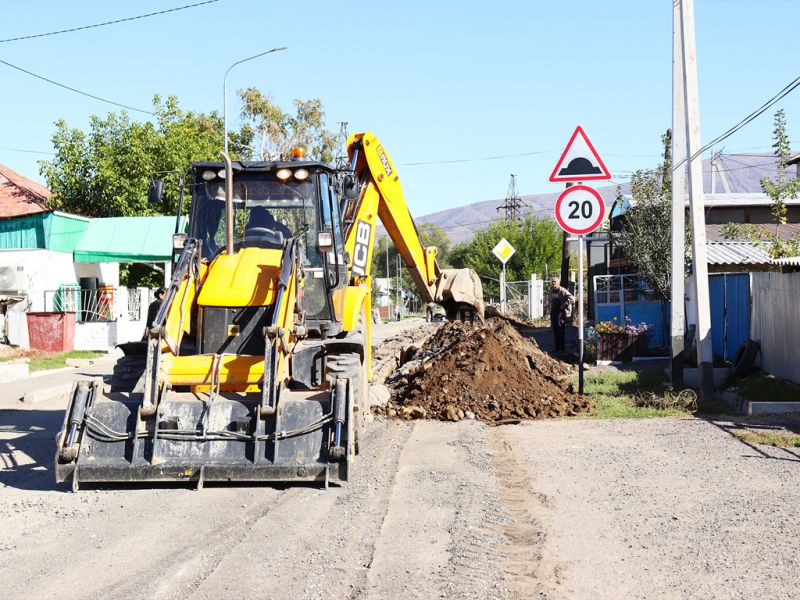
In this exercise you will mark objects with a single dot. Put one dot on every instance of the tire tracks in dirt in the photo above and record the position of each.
(528, 571)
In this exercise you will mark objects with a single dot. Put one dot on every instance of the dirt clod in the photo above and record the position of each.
(483, 371)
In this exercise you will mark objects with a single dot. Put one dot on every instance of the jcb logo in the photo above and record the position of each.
(361, 249)
(384, 161)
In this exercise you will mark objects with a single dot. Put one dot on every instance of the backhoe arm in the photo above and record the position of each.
(375, 192)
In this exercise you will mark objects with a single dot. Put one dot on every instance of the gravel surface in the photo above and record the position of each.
(565, 508)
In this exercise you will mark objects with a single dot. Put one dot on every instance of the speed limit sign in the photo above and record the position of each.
(580, 209)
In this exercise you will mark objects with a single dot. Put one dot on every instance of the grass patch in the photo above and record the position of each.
(56, 361)
(761, 387)
(777, 439)
(631, 395)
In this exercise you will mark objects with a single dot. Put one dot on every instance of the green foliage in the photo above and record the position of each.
(268, 133)
(429, 235)
(537, 243)
(782, 187)
(645, 238)
(632, 394)
(106, 171)
(779, 190)
(133, 275)
(760, 236)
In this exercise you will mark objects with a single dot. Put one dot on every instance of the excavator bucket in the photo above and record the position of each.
(197, 437)
(461, 293)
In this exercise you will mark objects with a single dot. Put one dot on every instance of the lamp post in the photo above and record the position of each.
(225, 90)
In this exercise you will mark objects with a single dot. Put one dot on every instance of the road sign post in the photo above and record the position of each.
(503, 251)
(580, 314)
(580, 209)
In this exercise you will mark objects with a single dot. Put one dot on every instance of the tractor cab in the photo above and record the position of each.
(275, 206)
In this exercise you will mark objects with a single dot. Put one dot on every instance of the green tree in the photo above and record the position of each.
(537, 243)
(429, 235)
(269, 133)
(645, 238)
(780, 189)
(106, 171)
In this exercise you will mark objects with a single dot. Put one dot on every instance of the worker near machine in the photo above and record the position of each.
(396, 312)
(153, 309)
(561, 303)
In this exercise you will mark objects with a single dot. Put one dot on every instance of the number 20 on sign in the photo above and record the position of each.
(580, 210)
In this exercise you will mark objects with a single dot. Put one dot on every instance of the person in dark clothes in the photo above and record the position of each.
(153, 309)
(561, 303)
(260, 217)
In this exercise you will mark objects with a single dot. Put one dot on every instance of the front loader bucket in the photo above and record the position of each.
(196, 438)
(460, 290)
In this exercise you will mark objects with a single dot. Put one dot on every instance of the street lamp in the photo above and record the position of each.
(225, 90)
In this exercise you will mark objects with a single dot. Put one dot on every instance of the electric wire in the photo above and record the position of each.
(790, 87)
(72, 89)
(116, 21)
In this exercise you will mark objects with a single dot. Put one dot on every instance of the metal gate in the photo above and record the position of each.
(729, 295)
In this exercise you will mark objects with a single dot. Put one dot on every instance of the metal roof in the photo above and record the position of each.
(785, 231)
(20, 196)
(789, 261)
(126, 239)
(736, 253)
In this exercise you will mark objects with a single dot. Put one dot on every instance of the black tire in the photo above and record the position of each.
(127, 372)
(350, 364)
(745, 360)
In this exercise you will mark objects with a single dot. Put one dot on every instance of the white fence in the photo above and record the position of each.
(775, 322)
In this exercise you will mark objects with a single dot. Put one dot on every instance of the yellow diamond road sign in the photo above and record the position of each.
(503, 251)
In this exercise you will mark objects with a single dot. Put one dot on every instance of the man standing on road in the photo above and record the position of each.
(561, 302)
(152, 310)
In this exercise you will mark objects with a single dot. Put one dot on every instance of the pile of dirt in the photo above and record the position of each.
(386, 354)
(484, 371)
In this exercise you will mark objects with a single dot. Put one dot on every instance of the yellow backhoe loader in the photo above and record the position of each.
(257, 365)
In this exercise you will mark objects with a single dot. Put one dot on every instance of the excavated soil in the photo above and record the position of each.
(484, 371)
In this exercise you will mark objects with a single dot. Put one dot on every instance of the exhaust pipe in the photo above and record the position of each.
(228, 204)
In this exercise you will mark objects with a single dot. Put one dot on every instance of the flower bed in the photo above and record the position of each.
(621, 341)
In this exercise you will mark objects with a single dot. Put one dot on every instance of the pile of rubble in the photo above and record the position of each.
(485, 371)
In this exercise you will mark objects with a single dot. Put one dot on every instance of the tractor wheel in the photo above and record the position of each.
(127, 372)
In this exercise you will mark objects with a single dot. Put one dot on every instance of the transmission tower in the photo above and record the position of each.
(340, 160)
(513, 203)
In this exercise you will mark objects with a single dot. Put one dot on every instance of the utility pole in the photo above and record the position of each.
(677, 302)
(513, 203)
(705, 358)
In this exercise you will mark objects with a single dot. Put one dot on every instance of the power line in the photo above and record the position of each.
(24, 150)
(463, 160)
(72, 89)
(791, 86)
(124, 20)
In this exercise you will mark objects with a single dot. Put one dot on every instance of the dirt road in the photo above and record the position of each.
(557, 509)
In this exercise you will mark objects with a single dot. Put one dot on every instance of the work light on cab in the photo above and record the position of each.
(208, 175)
(301, 174)
(283, 174)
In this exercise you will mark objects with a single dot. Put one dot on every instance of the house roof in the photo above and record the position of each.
(788, 261)
(126, 239)
(786, 231)
(20, 196)
(736, 253)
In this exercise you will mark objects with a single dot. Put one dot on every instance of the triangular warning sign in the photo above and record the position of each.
(580, 161)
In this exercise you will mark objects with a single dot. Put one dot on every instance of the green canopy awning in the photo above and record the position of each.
(126, 239)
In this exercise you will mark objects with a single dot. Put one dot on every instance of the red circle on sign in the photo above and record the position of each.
(595, 224)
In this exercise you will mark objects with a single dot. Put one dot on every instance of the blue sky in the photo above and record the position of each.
(435, 81)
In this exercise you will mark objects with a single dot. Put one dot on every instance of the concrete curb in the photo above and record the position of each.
(52, 392)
